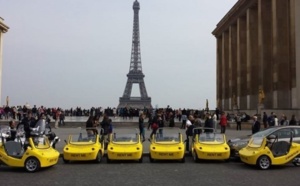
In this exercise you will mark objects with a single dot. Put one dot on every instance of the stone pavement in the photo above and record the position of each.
(63, 134)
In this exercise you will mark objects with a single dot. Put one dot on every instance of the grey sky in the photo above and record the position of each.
(70, 53)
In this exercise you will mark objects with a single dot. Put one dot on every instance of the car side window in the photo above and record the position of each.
(296, 132)
(283, 133)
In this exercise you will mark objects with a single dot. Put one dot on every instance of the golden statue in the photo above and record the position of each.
(261, 95)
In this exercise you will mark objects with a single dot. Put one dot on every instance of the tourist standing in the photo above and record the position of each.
(265, 120)
(256, 125)
(223, 122)
(141, 126)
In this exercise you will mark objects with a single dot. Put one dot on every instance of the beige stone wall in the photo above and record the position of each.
(260, 48)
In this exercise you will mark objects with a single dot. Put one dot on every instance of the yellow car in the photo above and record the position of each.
(35, 154)
(209, 146)
(124, 147)
(87, 146)
(167, 146)
(267, 151)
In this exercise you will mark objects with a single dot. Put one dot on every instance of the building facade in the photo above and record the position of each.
(3, 29)
(258, 56)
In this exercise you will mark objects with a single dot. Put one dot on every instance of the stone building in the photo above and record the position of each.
(3, 29)
(258, 56)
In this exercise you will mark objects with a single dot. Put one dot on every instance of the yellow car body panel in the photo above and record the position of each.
(211, 150)
(125, 150)
(167, 150)
(250, 155)
(83, 151)
(47, 156)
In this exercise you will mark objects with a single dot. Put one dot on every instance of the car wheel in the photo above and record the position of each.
(264, 162)
(98, 157)
(195, 157)
(151, 159)
(141, 159)
(32, 164)
(296, 161)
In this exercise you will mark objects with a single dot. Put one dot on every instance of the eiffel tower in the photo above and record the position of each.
(135, 74)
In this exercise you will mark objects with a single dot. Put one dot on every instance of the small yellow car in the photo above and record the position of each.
(87, 146)
(267, 151)
(124, 147)
(35, 154)
(209, 146)
(167, 146)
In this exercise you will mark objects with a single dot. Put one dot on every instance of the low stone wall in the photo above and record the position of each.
(74, 124)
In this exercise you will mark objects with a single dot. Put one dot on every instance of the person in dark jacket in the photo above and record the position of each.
(141, 126)
(256, 125)
(208, 124)
(293, 120)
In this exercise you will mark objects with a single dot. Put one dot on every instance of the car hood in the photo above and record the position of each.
(239, 139)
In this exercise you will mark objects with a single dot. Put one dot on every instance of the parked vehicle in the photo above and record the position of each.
(265, 151)
(125, 147)
(167, 146)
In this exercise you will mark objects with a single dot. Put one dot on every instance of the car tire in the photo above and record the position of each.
(98, 157)
(264, 162)
(195, 157)
(296, 161)
(141, 159)
(32, 164)
(151, 159)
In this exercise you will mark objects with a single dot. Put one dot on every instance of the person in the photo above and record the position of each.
(208, 124)
(271, 121)
(29, 122)
(265, 120)
(238, 122)
(293, 120)
(160, 123)
(110, 128)
(183, 117)
(171, 120)
(223, 122)
(13, 131)
(256, 125)
(214, 118)
(62, 118)
(89, 125)
(275, 120)
(141, 126)
(154, 126)
(189, 132)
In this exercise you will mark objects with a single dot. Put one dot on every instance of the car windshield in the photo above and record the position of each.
(256, 142)
(265, 132)
(211, 137)
(84, 137)
(125, 138)
(41, 142)
(167, 138)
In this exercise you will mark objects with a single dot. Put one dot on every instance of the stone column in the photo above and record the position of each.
(232, 65)
(1, 57)
(225, 67)
(242, 62)
(219, 72)
(296, 8)
(265, 50)
(252, 58)
(281, 54)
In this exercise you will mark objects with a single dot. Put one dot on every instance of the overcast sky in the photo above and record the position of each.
(69, 53)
